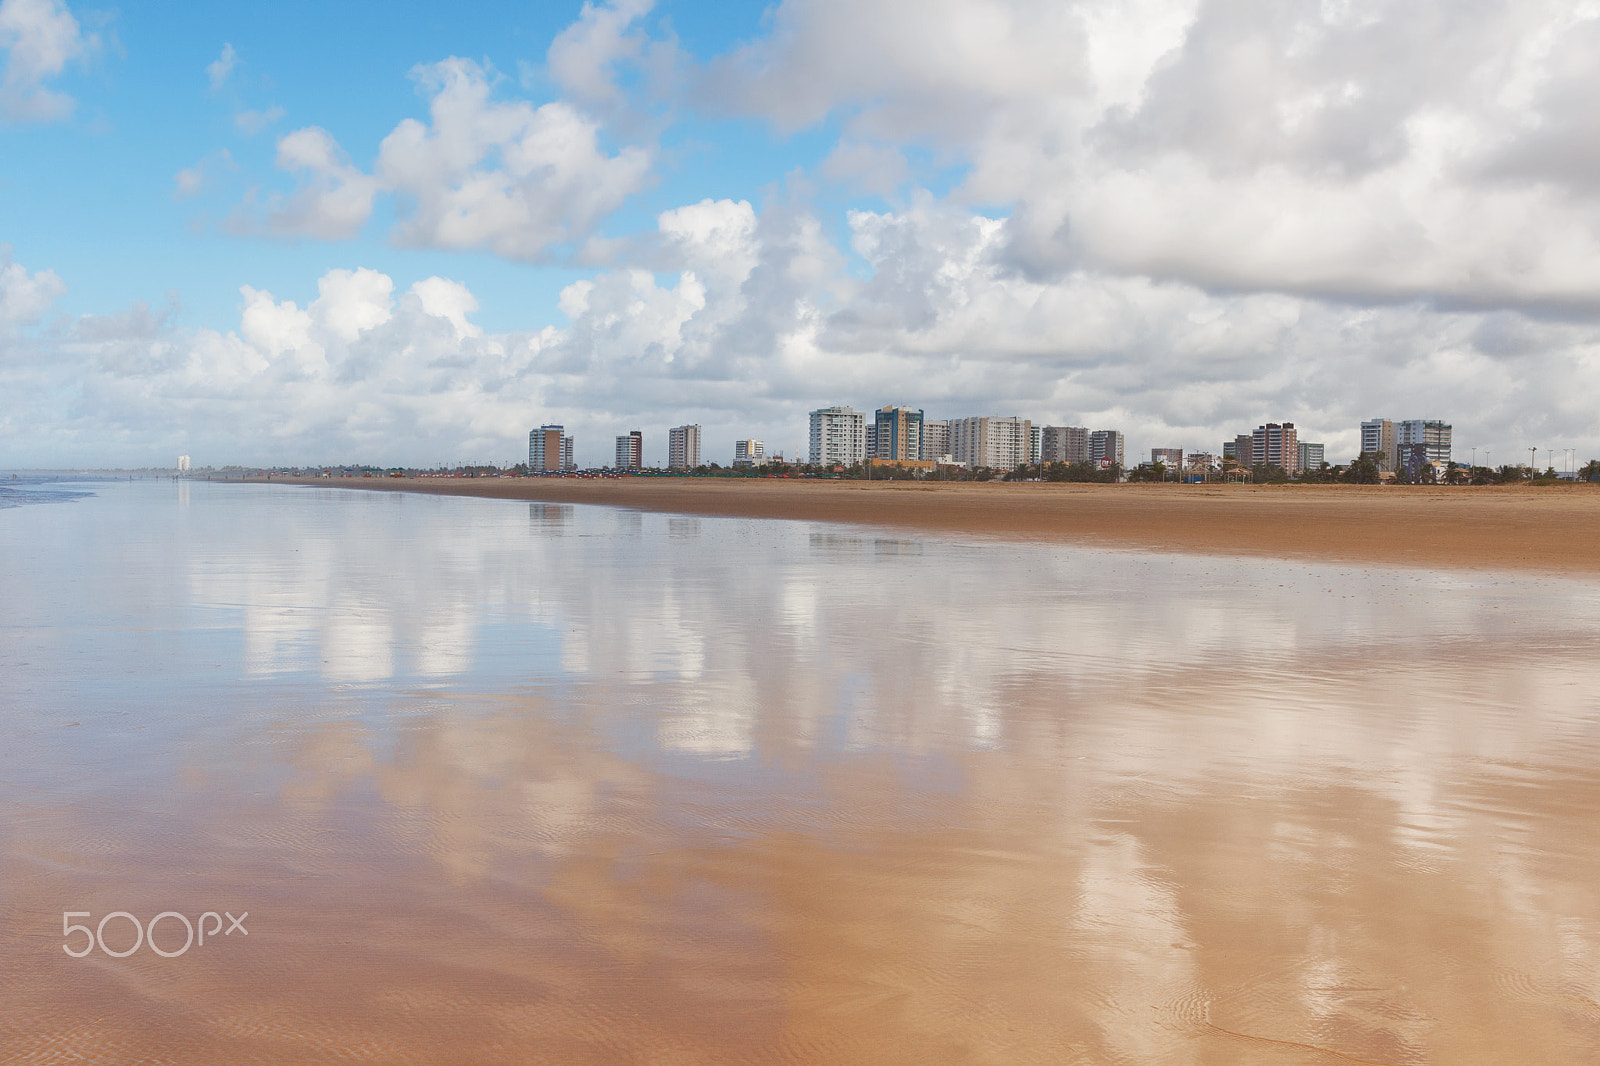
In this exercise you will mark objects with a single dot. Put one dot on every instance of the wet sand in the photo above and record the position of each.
(1550, 529)
(544, 783)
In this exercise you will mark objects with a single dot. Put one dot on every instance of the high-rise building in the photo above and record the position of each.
(935, 439)
(993, 442)
(748, 453)
(549, 448)
(1106, 446)
(1064, 444)
(1311, 456)
(838, 436)
(1034, 443)
(683, 447)
(1378, 439)
(1171, 458)
(896, 434)
(630, 451)
(183, 463)
(1241, 449)
(1276, 444)
(1431, 434)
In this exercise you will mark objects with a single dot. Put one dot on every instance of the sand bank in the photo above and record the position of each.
(1554, 529)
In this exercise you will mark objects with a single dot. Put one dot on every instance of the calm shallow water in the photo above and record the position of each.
(523, 782)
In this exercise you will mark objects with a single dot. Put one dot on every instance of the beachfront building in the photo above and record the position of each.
(1064, 444)
(896, 434)
(989, 441)
(1106, 446)
(749, 453)
(935, 439)
(838, 436)
(549, 449)
(1276, 444)
(1431, 436)
(1171, 458)
(630, 451)
(1378, 439)
(1311, 456)
(683, 447)
(1034, 443)
(183, 464)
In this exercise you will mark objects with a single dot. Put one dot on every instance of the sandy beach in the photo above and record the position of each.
(1544, 528)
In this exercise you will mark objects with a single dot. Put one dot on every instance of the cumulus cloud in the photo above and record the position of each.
(220, 68)
(1370, 149)
(38, 39)
(24, 297)
(748, 320)
(509, 177)
(506, 177)
(335, 197)
(583, 57)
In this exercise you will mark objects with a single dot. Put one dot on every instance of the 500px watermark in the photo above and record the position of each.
(96, 937)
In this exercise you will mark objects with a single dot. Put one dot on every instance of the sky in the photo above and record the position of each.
(319, 233)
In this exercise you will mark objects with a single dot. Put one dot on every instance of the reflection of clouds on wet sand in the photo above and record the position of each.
(589, 785)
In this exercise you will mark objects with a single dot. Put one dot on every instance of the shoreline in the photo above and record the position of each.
(1547, 529)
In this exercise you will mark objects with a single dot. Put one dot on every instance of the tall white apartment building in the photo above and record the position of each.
(1106, 446)
(935, 440)
(838, 436)
(1064, 444)
(549, 448)
(1378, 437)
(183, 463)
(749, 453)
(997, 443)
(630, 451)
(683, 447)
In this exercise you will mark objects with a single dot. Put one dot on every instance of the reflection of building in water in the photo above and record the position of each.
(549, 517)
(678, 526)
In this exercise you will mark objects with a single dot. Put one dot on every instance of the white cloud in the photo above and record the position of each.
(24, 297)
(509, 178)
(249, 123)
(335, 198)
(219, 69)
(583, 57)
(760, 320)
(39, 38)
(1375, 150)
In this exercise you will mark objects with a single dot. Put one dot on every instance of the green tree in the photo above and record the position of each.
(1363, 470)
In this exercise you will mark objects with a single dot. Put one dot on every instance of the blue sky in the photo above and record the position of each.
(313, 233)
